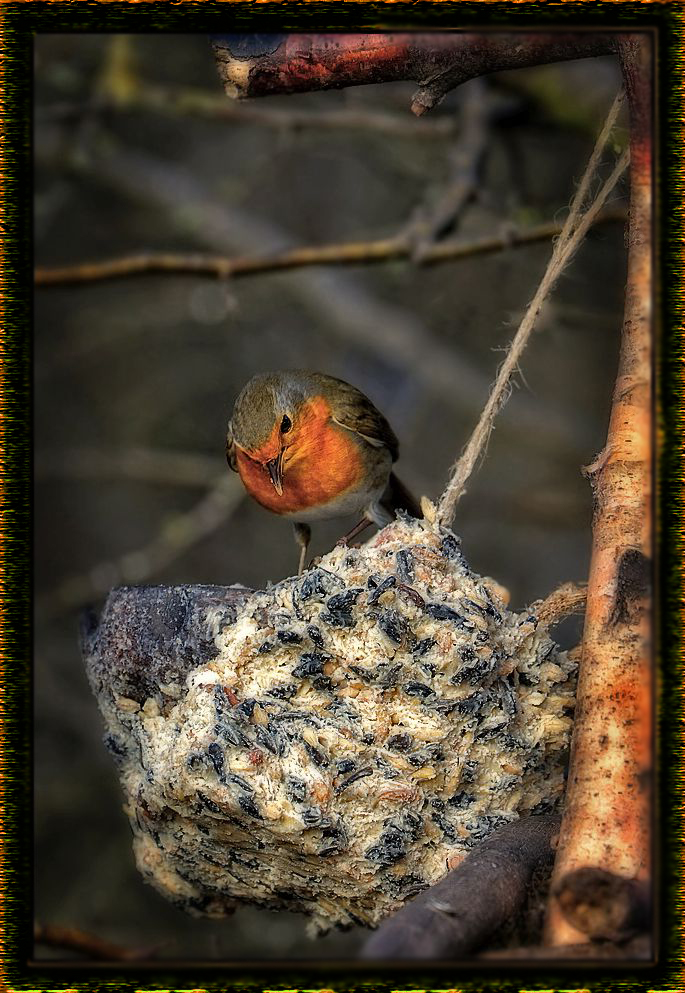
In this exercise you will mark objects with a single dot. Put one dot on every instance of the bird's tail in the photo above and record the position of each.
(397, 497)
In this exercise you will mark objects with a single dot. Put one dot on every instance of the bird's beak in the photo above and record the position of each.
(275, 467)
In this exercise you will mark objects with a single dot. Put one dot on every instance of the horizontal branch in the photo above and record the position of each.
(146, 465)
(199, 103)
(347, 253)
(262, 65)
(74, 940)
(457, 914)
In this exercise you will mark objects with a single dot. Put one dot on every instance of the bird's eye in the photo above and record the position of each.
(286, 424)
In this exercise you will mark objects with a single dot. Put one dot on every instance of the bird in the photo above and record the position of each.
(310, 447)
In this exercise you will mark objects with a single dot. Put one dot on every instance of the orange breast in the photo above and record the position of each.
(321, 463)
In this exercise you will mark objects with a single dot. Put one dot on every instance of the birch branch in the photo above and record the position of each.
(607, 813)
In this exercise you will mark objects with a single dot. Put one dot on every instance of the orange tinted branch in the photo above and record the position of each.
(606, 822)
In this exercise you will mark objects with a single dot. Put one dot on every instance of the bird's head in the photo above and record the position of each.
(269, 418)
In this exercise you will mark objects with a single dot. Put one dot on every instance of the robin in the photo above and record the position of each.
(311, 447)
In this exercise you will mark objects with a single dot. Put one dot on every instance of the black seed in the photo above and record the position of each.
(319, 582)
(289, 637)
(114, 747)
(422, 647)
(360, 774)
(298, 715)
(230, 733)
(310, 664)
(484, 734)
(393, 625)
(405, 565)
(296, 789)
(487, 609)
(441, 612)
(531, 619)
(390, 677)
(216, 754)
(389, 771)
(266, 740)
(382, 587)
(345, 765)
(424, 756)
(508, 699)
(245, 709)
(446, 828)
(476, 671)
(437, 803)
(341, 602)
(278, 739)
(250, 807)
(450, 546)
(312, 816)
(473, 704)
(265, 648)
(337, 620)
(413, 688)
(390, 847)
(283, 692)
(412, 824)
(316, 755)
(368, 738)
(209, 804)
(315, 636)
(400, 742)
(239, 781)
(461, 799)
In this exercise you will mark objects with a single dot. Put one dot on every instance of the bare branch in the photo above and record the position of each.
(200, 103)
(146, 465)
(260, 65)
(575, 227)
(177, 534)
(348, 253)
(457, 914)
(74, 940)
(466, 158)
(606, 818)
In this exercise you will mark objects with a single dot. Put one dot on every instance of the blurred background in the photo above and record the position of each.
(137, 149)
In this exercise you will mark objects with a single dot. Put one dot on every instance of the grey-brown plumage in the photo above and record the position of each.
(260, 435)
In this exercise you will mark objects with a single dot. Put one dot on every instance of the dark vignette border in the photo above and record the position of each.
(18, 23)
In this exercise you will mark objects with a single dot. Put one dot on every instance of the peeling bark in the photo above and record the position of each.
(263, 65)
(606, 822)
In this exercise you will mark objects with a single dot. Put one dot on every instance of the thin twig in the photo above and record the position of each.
(200, 103)
(346, 253)
(466, 157)
(74, 940)
(572, 234)
(144, 464)
(177, 534)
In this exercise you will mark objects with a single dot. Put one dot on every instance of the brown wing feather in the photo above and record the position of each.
(230, 449)
(354, 411)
